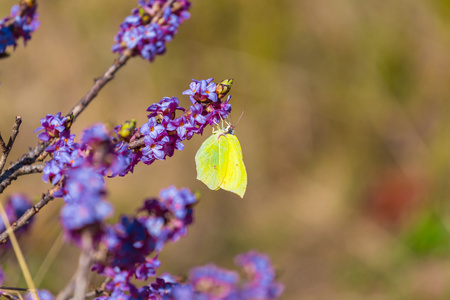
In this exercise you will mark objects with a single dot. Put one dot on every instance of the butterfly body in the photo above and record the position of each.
(219, 162)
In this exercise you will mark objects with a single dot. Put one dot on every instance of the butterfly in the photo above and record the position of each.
(219, 162)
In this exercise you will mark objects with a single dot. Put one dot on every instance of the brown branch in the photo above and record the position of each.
(15, 131)
(8, 295)
(30, 157)
(136, 143)
(2, 145)
(34, 153)
(7, 148)
(22, 171)
(109, 74)
(26, 159)
(95, 293)
(99, 84)
(25, 218)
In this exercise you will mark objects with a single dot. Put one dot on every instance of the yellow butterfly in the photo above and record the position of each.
(219, 162)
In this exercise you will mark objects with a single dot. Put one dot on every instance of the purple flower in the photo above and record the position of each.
(42, 294)
(147, 37)
(153, 149)
(177, 201)
(182, 127)
(6, 38)
(261, 275)
(20, 24)
(213, 281)
(147, 269)
(131, 241)
(132, 37)
(162, 288)
(166, 106)
(53, 125)
(184, 292)
(76, 216)
(16, 205)
(53, 172)
(83, 191)
(97, 134)
(84, 185)
(196, 114)
(65, 143)
(163, 133)
(129, 244)
(125, 160)
(153, 130)
(202, 91)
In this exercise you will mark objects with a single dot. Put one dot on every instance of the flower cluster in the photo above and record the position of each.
(261, 277)
(134, 243)
(16, 205)
(207, 92)
(208, 282)
(101, 153)
(83, 192)
(21, 22)
(133, 239)
(163, 133)
(83, 167)
(144, 33)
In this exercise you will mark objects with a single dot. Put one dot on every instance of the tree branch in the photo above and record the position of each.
(5, 149)
(22, 171)
(34, 153)
(30, 157)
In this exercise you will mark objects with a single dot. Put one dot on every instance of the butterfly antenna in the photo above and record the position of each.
(242, 113)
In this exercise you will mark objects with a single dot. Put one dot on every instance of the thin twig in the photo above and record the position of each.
(22, 171)
(98, 85)
(25, 218)
(26, 159)
(5, 149)
(8, 295)
(136, 144)
(34, 153)
(30, 157)
(2, 144)
(15, 131)
(95, 293)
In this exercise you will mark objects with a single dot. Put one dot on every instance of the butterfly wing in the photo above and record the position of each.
(212, 160)
(235, 179)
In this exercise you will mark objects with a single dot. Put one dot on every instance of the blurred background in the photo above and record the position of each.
(345, 137)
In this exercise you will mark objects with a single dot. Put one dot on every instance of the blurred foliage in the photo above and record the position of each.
(345, 135)
(429, 236)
